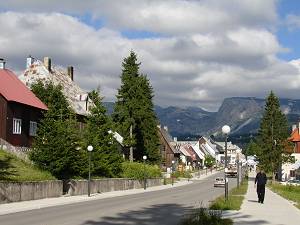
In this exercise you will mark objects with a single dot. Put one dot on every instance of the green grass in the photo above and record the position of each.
(289, 192)
(203, 216)
(15, 169)
(235, 199)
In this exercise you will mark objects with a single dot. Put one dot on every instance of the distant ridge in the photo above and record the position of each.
(242, 114)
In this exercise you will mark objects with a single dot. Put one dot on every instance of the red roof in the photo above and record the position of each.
(295, 137)
(12, 89)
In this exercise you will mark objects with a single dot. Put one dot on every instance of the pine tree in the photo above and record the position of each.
(106, 158)
(56, 147)
(272, 136)
(134, 108)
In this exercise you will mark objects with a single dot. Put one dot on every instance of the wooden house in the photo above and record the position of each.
(20, 110)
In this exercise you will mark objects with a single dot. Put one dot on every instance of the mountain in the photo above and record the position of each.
(242, 114)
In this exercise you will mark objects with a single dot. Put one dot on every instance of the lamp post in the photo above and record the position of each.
(189, 171)
(90, 149)
(144, 158)
(198, 169)
(226, 131)
(238, 170)
(172, 177)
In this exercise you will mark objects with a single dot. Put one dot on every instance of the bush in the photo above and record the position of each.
(136, 170)
(203, 216)
(184, 174)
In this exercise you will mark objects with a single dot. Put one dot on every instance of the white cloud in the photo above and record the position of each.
(211, 50)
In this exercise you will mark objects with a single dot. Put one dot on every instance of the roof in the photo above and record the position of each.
(165, 134)
(77, 98)
(295, 137)
(12, 89)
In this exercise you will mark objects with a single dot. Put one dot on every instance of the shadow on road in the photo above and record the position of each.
(158, 214)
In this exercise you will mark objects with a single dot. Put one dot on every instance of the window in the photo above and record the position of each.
(17, 126)
(32, 128)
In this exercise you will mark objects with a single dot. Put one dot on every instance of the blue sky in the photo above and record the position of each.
(195, 53)
(289, 37)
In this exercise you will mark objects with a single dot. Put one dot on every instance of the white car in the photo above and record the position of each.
(219, 182)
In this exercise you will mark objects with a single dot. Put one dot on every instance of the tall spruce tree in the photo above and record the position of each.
(56, 147)
(106, 158)
(272, 136)
(134, 108)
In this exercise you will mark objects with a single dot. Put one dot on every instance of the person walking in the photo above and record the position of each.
(261, 180)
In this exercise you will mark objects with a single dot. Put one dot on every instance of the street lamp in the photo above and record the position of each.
(238, 169)
(90, 149)
(226, 131)
(172, 172)
(144, 158)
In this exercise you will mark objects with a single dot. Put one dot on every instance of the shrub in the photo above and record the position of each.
(184, 174)
(204, 216)
(136, 170)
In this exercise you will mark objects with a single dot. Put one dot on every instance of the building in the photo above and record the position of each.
(292, 170)
(234, 153)
(167, 149)
(46, 71)
(20, 109)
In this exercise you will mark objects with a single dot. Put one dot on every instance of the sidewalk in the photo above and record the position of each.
(275, 210)
(48, 202)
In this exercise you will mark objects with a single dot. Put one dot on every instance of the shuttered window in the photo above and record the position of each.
(32, 128)
(17, 126)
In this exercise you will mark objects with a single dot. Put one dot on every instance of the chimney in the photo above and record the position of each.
(71, 72)
(294, 127)
(29, 61)
(47, 63)
(2, 64)
(165, 128)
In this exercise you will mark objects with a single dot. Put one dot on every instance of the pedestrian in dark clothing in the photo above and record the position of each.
(261, 180)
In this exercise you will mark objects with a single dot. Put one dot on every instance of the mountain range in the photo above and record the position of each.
(242, 114)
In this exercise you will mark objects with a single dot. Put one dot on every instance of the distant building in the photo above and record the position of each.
(292, 170)
(167, 149)
(20, 110)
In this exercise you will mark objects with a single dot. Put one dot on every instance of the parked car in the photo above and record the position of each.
(219, 182)
(291, 182)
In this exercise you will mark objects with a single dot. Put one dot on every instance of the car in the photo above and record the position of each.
(291, 182)
(219, 182)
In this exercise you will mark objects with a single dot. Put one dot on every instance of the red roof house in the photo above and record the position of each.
(20, 110)
(295, 138)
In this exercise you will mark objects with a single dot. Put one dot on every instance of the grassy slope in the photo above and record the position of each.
(289, 192)
(14, 169)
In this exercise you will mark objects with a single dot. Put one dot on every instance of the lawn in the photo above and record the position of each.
(289, 192)
(15, 169)
(235, 198)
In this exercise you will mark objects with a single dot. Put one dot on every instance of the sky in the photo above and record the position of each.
(195, 53)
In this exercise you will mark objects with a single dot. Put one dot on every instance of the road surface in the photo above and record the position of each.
(162, 207)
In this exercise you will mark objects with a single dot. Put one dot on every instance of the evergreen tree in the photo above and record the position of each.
(252, 148)
(272, 136)
(134, 108)
(56, 147)
(106, 158)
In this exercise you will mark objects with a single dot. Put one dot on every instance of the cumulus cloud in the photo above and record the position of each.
(208, 49)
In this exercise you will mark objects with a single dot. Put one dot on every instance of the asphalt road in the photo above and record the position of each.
(158, 207)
